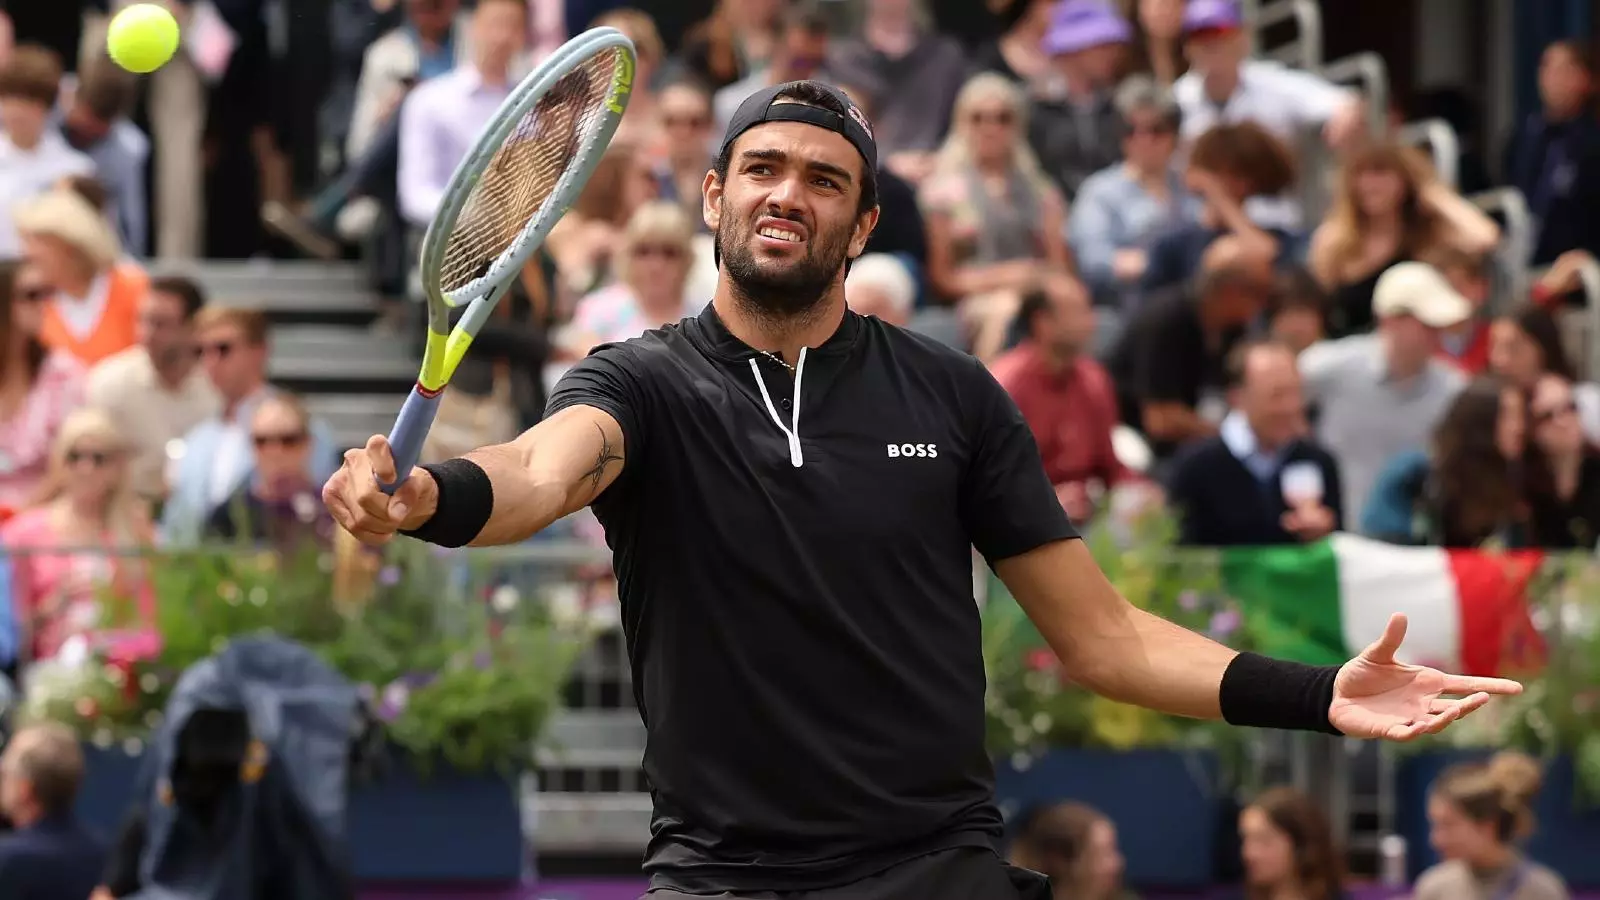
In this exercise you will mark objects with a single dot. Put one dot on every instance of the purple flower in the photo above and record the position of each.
(389, 576)
(1224, 624)
(1189, 601)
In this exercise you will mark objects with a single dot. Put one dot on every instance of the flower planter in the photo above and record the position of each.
(1165, 804)
(1565, 839)
(404, 827)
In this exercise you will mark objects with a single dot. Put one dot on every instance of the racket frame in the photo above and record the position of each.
(446, 346)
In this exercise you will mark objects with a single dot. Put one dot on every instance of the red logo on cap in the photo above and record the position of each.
(861, 119)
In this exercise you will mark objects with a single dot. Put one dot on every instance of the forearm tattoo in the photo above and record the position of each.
(605, 456)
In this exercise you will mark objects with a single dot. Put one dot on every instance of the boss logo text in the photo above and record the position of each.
(922, 451)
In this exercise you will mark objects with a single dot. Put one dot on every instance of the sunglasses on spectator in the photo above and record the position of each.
(96, 458)
(1564, 409)
(997, 117)
(686, 121)
(666, 251)
(1149, 130)
(219, 349)
(35, 294)
(288, 440)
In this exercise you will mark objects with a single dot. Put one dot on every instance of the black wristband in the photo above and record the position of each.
(1271, 693)
(466, 499)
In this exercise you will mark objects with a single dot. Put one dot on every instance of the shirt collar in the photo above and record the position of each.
(1237, 435)
(717, 339)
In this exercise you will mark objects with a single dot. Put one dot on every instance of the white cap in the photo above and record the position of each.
(1418, 290)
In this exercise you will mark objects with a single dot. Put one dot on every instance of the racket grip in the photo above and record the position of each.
(410, 430)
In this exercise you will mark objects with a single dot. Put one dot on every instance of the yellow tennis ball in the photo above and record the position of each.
(142, 37)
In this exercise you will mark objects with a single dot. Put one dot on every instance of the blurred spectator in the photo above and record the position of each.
(1525, 345)
(214, 459)
(1065, 396)
(1297, 316)
(1073, 127)
(683, 111)
(1468, 489)
(94, 312)
(95, 122)
(1018, 53)
(1261, 480)
(800, 53)
(652, 268)
(430, 44)
(994, 220)
(88, 506)
(880, 285)
(281, 504)
(738, 38)
(156, 391)
(1076, 846)
(38, 386)
(1120, 211)
(1563, 470)
(1562, 283)
(1553, 157)
(1227, 166)
(1225, 85)
(1389, 208)
(1158, 47)
(1466, 345)
(1477, 815)
(7, 37)
(913, 74)
(10, 632)
(1380, 395)
(33, 156)
(442, 117)
(649, 52)
(1168, 366)
(1288, 849)
(585, 241)
(50, 854)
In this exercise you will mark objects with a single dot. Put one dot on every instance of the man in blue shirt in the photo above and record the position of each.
(50, 856)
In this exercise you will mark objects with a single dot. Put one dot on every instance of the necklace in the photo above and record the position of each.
(777, 359)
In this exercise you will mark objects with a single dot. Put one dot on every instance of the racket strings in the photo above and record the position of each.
(520, 177)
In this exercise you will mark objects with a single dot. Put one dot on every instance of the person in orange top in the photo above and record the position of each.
(94, 313)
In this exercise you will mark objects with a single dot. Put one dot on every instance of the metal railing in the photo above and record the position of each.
(1305, 51)
(1516, 242)
(1366, 72)
(1442, 144)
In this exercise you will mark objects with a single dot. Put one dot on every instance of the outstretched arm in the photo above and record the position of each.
(552, 470)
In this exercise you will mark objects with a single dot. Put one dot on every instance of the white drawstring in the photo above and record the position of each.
(792, 430)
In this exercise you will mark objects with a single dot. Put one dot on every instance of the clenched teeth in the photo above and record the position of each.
(779, 234)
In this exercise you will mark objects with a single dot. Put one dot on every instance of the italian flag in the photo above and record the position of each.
(1324, 603)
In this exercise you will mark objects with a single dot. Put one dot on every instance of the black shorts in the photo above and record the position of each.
(961, 874)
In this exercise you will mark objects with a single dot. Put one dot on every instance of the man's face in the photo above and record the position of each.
(803, 53)
(83, 127)
(1270, 396)
(686, 119)
(233, 364)
(499, 31)
(23, 120)
(1067, 326)
(432, 18)
(786, 219)
(1216, 52)
(1564, 84)
(1410, 342)
(162, 329)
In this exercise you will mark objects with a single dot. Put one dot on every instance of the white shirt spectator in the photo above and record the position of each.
(386, 68)
(1282, 100)
(25, 174)
(147, 412)
(438, 125)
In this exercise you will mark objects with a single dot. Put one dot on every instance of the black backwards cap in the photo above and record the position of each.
(764, 106)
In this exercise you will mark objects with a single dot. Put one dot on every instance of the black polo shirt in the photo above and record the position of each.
(801, 626)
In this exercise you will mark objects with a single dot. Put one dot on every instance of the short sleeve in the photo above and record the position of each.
(1007, 504)
(607, 379)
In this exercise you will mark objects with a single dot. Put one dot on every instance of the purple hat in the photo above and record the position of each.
(1211, 15)
(1077, 25)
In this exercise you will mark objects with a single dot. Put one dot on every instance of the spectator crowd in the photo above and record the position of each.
(1105, 202)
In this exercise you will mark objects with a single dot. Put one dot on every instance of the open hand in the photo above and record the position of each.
(1376, 696)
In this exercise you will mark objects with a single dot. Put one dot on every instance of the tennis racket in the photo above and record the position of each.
(527, 168)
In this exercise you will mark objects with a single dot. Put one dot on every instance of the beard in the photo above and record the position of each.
(781, 291)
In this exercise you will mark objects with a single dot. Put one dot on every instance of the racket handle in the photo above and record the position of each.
(410, 431)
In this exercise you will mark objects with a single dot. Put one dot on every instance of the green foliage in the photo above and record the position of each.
(463, 667)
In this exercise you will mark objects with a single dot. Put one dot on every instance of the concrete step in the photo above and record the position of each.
(592, 823)
(286, 292)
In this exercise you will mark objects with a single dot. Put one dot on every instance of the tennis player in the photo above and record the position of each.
(791, 493)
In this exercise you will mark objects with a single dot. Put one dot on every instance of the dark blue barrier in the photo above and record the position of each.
(404, 827)
(1165, 804)
(1567, 835)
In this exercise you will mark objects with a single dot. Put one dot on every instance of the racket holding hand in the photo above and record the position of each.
(527, 168)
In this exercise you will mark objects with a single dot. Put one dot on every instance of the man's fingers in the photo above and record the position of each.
(1467, 705)
(1383, 649)
(381, 458)
(1470, 684)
